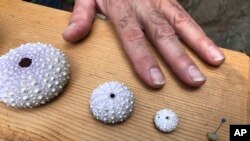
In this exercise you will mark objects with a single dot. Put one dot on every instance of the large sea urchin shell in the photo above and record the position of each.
(166, 120)
(32, 74)
(112, 102)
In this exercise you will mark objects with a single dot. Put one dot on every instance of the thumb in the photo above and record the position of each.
(81, 20)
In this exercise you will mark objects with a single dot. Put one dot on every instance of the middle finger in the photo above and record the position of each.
(134, 43)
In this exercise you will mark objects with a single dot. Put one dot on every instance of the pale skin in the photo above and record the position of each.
(161, 21)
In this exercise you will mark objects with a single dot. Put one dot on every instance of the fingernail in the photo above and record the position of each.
(71, 26)
(156, 76)
(195, 74)
(215, 53)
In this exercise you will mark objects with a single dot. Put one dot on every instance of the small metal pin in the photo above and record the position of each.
(213, 136)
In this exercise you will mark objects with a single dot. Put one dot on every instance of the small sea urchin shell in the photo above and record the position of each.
(112, 102)
(166, 120)
(32, 74)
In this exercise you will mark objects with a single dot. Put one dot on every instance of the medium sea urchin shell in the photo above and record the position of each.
(112, 102)
(166, 120)
(32, 74)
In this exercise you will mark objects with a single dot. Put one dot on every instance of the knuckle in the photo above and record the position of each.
(181, 56)
(181, 59)
(81, 18)
(78, 13)
(157, 18)
(117, 3)
(131, 34)
(143, 61)
(125, 18)
(164, 32)
(204, 43)
(181, 17)
(203, 39)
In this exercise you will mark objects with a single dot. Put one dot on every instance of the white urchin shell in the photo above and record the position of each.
(166, 120)
(32, 85)
(112, 102)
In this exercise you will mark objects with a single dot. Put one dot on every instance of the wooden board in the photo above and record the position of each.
(100, 58)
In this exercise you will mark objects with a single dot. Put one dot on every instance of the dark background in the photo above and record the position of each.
(227, 22)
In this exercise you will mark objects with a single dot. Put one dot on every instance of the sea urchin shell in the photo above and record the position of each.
(166, 120)
(32, 74)
(112, 102)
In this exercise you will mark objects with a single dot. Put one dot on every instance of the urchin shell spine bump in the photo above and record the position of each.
(112, 102)
(166, 120)
(32, 74)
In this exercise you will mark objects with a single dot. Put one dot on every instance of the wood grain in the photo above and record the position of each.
(248, 111)
(100, 58)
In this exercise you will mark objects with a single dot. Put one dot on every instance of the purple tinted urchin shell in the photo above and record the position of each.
(32, 74)
(166, 120)
(112, 102)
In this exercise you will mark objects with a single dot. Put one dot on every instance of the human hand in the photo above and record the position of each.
(160, 21)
